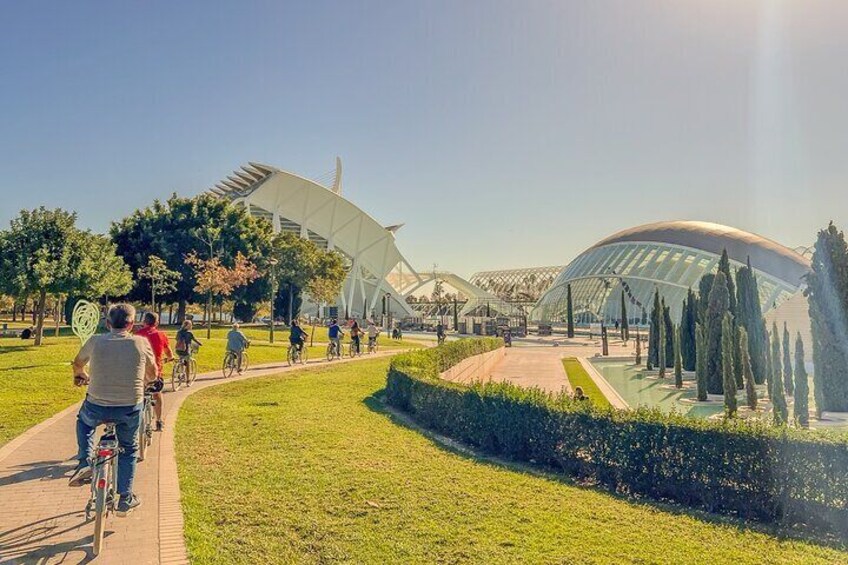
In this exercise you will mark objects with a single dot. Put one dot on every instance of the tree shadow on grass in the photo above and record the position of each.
(376, 403)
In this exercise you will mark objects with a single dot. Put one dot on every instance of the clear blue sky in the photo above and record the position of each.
(502, 133)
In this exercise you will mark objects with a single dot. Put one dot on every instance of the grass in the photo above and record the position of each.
(578, 376)
(310, 468)
(35, 382)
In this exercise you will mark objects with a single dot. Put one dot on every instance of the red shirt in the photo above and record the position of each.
(158, 342)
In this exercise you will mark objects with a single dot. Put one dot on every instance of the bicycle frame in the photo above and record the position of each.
(104, 483)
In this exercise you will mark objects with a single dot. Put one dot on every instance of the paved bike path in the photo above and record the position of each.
(42, 519)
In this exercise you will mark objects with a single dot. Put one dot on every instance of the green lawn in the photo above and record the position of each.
(308, 467)
(35, 382)
(578, 376)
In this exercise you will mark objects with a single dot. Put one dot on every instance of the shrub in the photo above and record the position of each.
(734, 466)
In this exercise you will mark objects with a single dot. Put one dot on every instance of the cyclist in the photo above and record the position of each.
(160, 345)
(120, 365)
(237, 342)
(440, 332)
(297, 336)
(373, 332)
(335, 334)
(355, 336)
(185, 339)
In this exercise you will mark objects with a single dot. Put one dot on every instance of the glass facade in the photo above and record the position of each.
(599, 275)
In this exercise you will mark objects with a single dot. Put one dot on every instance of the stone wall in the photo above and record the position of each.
(476, 368)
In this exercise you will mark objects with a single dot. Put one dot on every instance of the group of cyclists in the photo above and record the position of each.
(121, 366)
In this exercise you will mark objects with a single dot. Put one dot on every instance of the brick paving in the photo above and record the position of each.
(42, 519)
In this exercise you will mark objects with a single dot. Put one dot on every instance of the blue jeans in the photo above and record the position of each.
(127, 420)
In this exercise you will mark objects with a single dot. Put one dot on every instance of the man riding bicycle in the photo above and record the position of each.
(373, 332)
(160, 346)
(297, 336)
(120, 366)
(185, 340)
(440, 332)
(335, 335)
(237, 342)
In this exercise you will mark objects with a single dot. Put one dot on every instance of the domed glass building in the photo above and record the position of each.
(671, 257)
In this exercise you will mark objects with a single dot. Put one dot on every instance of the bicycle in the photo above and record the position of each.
(297, 355)
(231, 363)
(331, 350)
(355, 348)
(440, 340)
(104, 481)
(145, 430)
(185, 371)
(372, 345)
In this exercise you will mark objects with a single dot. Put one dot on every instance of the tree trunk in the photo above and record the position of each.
(38, 312)
(181, 311)
(58, 315)
(209, 316)
(171, 315)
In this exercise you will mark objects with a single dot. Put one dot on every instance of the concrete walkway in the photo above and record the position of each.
(42, 519)
(539, 367)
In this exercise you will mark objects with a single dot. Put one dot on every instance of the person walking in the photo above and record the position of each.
(120, 366)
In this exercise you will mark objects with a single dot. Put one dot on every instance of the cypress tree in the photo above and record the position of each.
(750, 316)
(625, 326)
(669, 335)
(638, 347)
(724, 267)
(788, 385)
(701, 362)
(738, 369)
(827, 294)
(750, 391)
(654, 331)
(728, 374)
(802, 386)
(716, 309)
(661, 347)
(705, 285)
(644, 317)
(678, 360)
(687, 330)
(778, 400)
(767, 366)
(569, 312)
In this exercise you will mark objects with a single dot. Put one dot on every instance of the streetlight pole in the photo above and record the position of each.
(273, 263)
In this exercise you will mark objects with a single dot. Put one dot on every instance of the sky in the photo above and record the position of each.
(503, 134)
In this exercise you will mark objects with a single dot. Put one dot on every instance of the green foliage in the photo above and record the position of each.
(44, 253)
(780, 411)
(802, 386)
(569, 314)
(669, 335)
(179, 227)
(788, 384)
(705, 285)
(827, 293)
(687, 330)
(625, 325)
(661, 348)
(678, 360)
(724, 267)
(727, 347)
(701, 362)
(750, 391)
(750, 317)
(748, 468)
(654, 331)
(717, 307)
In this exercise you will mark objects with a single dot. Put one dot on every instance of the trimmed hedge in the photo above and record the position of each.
(751, 470)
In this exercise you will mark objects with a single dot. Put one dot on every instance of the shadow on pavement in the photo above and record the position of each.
(30, 543)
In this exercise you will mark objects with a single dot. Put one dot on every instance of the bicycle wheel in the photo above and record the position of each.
(229, 365)
(290, 355)
(192, 374)
(245, 361)
(101, 478)
(331, 352)
(177, 375)
(142, 432)
(303, 355)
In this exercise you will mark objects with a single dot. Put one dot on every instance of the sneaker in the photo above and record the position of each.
(160, 425)
(127, 505)
(82, 475)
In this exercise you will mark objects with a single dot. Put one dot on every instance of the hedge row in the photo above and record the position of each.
(751, 470)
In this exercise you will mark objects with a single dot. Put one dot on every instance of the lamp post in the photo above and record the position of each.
(273, 263)
(387, 312)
